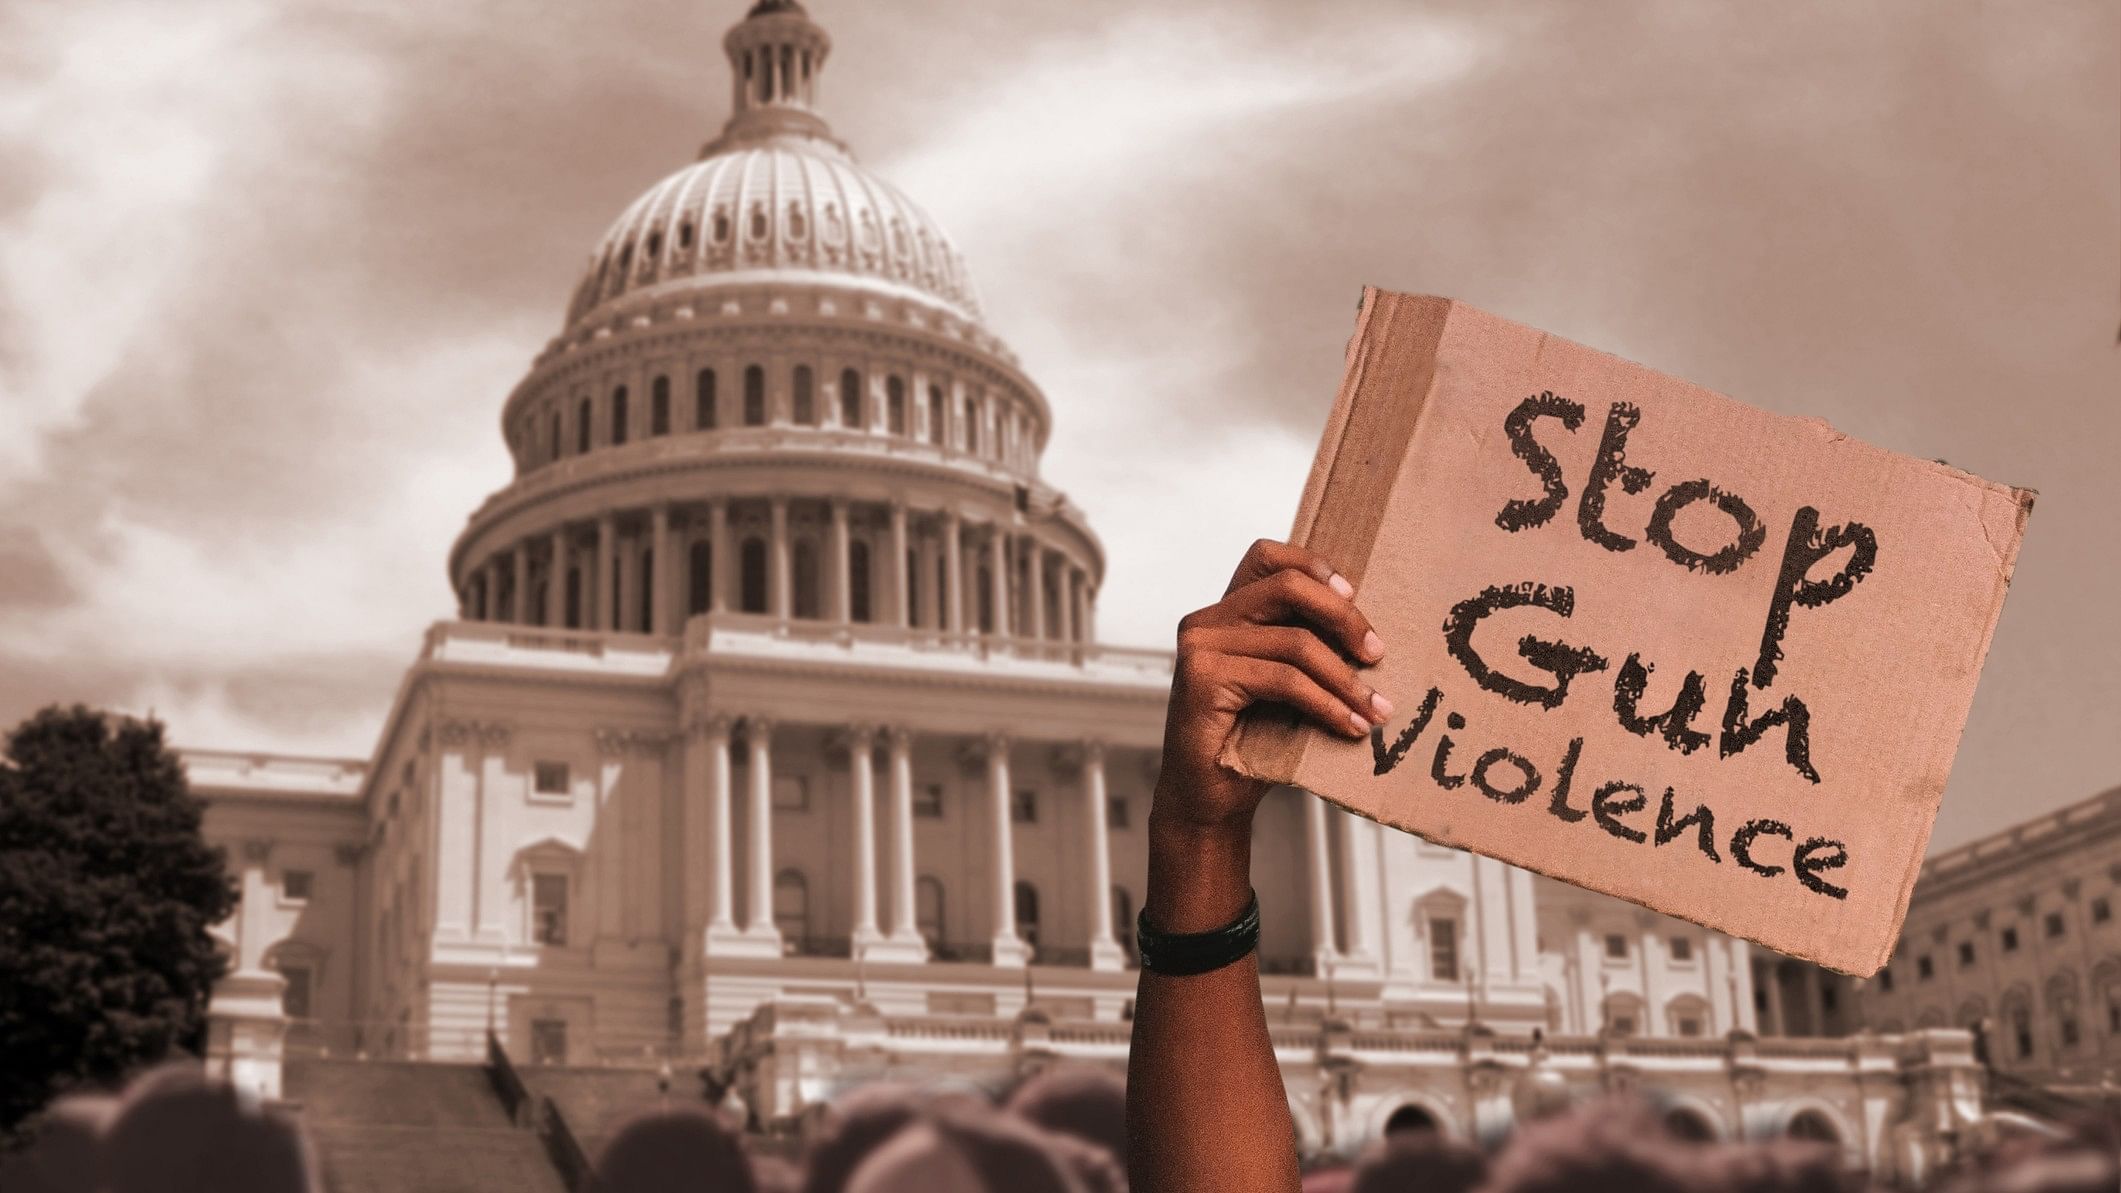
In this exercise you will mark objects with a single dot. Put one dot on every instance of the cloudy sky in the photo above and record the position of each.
(268, 268)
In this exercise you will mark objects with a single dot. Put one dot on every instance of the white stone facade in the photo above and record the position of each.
(774, 734)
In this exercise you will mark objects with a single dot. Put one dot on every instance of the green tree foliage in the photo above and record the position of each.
(107, 889)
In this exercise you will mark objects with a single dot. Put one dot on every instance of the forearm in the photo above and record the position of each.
(1206, 1109)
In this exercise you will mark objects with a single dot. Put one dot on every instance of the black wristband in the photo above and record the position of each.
(1182, 954)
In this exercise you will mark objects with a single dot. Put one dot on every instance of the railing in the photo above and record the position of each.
(566, 1151)
(507, 1083)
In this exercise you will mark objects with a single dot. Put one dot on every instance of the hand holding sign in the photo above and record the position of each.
(1599, 698)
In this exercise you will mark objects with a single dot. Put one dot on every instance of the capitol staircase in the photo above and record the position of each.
(412, 1127)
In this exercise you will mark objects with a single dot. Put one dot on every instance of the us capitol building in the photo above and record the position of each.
(773, 737)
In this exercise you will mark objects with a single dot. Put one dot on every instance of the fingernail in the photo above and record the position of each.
(1358, 722)
(1373, 647)
(1382, 705)
(1339, 584)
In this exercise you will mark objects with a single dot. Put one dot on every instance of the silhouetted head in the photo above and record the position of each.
(953, 1150)
(178, 1132)
(674, 1151)
(1086, 1103)
(1424, 1160)
(65, 1155)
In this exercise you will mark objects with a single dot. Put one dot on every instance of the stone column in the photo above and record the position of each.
(556, 581)
(625, 575)
(758, 737)
(1009, 950)
(1105, 952)
(1324, 952)
(780, 598)
(718, 554)
(905, 942)
(954, 566)
(1064, 609)
(1035, 582)
(861, 771)
(519, 609)
(1365, 953)
(901, 608)
(998, 578)
(599, 596)
(721, 890)
(842, 571)
(663, 544)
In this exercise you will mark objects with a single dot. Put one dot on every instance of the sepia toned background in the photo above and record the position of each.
(267, 270)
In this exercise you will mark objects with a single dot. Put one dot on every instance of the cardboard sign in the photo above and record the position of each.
(1641, 637)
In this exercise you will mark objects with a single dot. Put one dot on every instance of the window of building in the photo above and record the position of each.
(700, 558)
(2052, 924)
(753, 575)
(754, 396)
(912, 595)
(548, 1041)
(295, 996)
(295, 885)
(1925, 969)
(1027, 913)
(1687, 1025)
(2113, 1011)
(549, 778)
(618, 416)
(860, 600)
(1443, 948)
(928, 801)
(805, 396)
(553, 443)
(1117, 813)
(935, 414)
(791, 793)
(2022, 1031)
(1966, 954)
(1623, 1025)
(659, 407)
(1616, 947)
(1682, 948)
(583, 414)
(2009, 940)
(850, 399)
(791, 904)
(647, 591)
(548, 908)
(2069, 1030)
(2102, 910)
(804, 573)
(1829, 995)
(574, 598)
(928, 908)
(1885, 980)
(1023, 806)
(703, 403)
(895, 403)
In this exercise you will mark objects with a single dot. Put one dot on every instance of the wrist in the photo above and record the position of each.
(1200, 874)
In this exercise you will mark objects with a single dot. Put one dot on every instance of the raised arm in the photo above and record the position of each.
(1205, 1104)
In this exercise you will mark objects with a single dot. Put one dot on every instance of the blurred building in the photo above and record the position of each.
(774, 737)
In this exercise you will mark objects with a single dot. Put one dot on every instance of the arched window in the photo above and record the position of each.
(1812, 1125)
(583, 414)
(1687, 1125)
(805, 396)
(858, 600)
(701, 559)
(806, 581)
(753, 570)
(618, 416)
(791, 906)
(1027, 913)
(703, 412)
(928, 908)
(574, 598)
(935, 414)
(648, 625)
(895, 403)
(754, 396)
(912, 595)
(659, 407)
(850, 399)
(1623, 1014)
(1411, 1119)
(1687, 1016)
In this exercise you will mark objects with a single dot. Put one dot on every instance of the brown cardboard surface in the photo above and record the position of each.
(1513, 507)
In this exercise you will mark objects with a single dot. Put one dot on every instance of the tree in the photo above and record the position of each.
(107, 890)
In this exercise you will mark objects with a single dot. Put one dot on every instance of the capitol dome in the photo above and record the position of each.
(775, 192)
(785, 205)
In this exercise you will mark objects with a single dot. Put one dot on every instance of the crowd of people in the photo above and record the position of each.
(1063, 1131)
